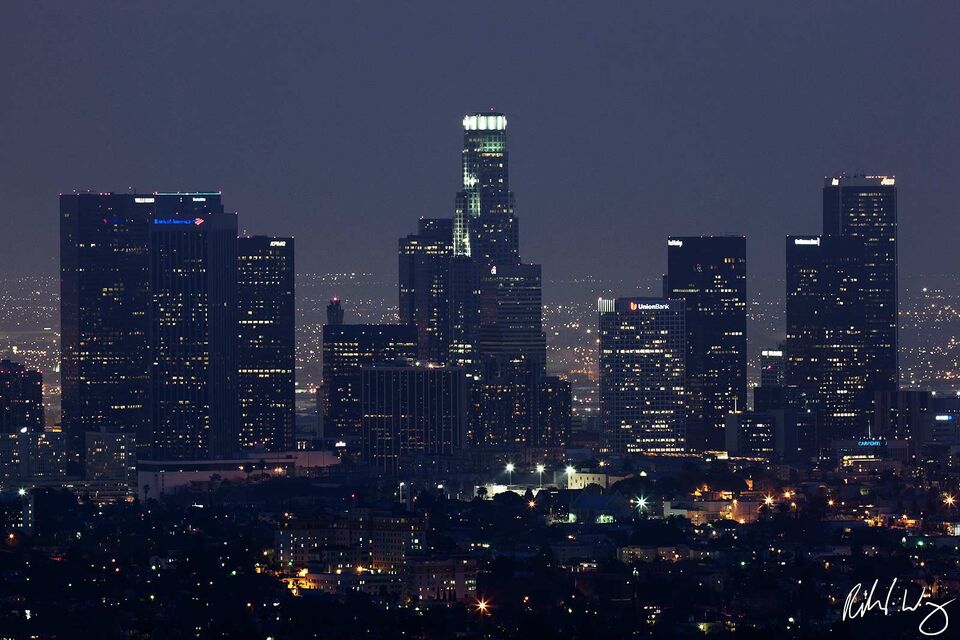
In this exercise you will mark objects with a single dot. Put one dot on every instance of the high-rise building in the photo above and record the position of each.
(772, 367)
(710, 275)
(193, 328)
(348, 348)
(334, 312)
(424, 296)
(21, 398)
(804, 297)
(770, 435)
(104, 314)
(464, 314)
(554, 414)
(642, 374)
(484, 225)
(266, 309)
(864, 208)
(412, 411)
(826, 333)
(511, 320)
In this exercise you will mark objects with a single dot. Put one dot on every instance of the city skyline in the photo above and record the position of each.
(522, 320)
(731, 168)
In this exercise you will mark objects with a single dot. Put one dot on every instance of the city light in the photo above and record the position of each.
(482, 606)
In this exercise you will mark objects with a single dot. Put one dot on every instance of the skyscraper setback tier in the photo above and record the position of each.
(642, 374)
(424, 271)
(710, 275)
(484, 224)
(266, 308)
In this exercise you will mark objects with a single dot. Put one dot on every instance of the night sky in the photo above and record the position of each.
(339, 122)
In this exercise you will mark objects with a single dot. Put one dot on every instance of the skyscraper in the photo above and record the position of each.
(348, 348)
(484, 226)
(193, 327)
(21, 398)
(334, 312)
(266, 309)
(104, 314)
(642, 374)
(771, 367)
(411, 411)
(710, 275)
(424, 296)
(864, 207)
(826, 333)
(511, 320)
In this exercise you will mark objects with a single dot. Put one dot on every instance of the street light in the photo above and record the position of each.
(510, 469)
(540, 470)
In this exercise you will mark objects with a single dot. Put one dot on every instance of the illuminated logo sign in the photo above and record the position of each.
(195, 221)
(772, 354)
(144, 200)
(944, 417)
(807, 241)
(199, 199)
(674, 243)
(647, 307)
(870, 443)
(278, 243)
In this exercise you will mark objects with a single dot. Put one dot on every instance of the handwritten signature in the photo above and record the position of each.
(861, 601)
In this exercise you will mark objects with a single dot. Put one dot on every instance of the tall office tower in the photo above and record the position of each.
(347, 348)
(464, 315)
(21, 398)
(411, 412)
(865, 208)
(266, 309)
(511, 337)
(484, 226)
(804, 299)
(642, 374)
(424, 298)
(334, 312)
(554, 413)
(844, 399)
(193, 336)
(710, 275)
(104, 318)
(826, 333)
(772, 366)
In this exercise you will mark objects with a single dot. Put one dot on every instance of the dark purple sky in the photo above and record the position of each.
(339, 122)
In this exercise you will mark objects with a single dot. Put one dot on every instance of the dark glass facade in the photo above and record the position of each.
(193, 336)
(348, 348)
(864, 208)
(21, 398)
(411, 411)
(710, 275)
(105, 362)
(424, 291)
(266, 307)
